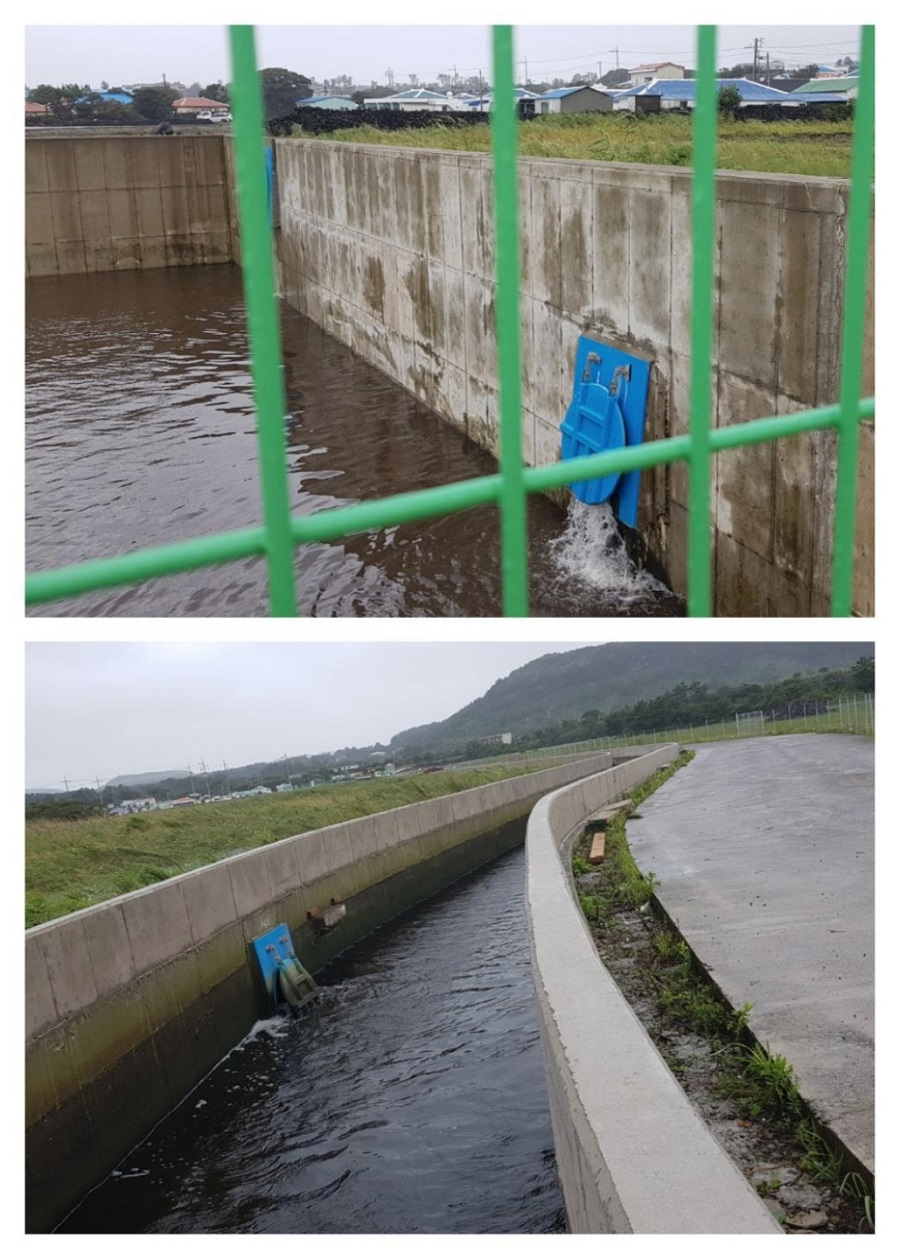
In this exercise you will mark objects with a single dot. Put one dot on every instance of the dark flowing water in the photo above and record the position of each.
(140, 432)
(409, 1098)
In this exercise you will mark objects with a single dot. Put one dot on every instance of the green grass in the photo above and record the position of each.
(622, 886)
(797, 148)
(70, 865)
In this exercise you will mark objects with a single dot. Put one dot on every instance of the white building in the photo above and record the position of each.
(418, 98)
(655, 70)
(144, 804)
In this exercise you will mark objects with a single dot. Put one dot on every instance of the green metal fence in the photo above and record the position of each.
(280, 533)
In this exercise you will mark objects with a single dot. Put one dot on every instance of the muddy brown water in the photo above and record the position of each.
(140, 432)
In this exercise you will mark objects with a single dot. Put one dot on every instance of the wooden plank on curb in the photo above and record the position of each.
(598, 848)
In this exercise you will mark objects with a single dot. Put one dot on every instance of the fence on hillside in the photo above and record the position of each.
(848, 714)
(280, 533)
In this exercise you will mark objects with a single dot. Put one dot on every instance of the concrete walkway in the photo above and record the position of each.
(765, 853)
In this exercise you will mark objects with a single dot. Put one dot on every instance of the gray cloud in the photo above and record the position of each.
(101, 709)
(89, 54)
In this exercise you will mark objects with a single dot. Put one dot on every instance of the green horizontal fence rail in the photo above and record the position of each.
(280, 533)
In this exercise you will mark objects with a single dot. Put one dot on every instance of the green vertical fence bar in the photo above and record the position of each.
(514, 558)
(703, 220)
(854, 327)
(262, 319)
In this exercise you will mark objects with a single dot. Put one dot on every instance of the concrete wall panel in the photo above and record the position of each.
(109, 948)
(250, 883)
(41, 1011)
(209, 900)
(157, 923)
(605, 248)
(117, 202)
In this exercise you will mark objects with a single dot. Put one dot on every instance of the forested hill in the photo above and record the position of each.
(566, 684)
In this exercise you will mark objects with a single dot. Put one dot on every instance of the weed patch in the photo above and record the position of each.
(747, 1094)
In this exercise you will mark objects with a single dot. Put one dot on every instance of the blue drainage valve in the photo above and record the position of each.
(284, 978)
(607, 412)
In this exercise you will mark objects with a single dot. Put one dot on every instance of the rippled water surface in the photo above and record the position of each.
(140, 431)
(409, 1098)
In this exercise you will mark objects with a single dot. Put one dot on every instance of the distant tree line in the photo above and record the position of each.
(73, 102)
(689, 703)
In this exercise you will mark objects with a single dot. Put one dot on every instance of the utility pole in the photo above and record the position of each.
(599, 71)
(390, 76)
(768, 72)
(99, 791)
(616, 51)
(756, 44)
(227, 779)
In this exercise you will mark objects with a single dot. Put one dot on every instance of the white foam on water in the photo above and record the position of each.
(591, 550)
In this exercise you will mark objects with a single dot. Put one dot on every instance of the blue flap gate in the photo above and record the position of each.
(284, 980)
(607, 412)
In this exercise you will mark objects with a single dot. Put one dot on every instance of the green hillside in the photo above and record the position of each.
(568, 683)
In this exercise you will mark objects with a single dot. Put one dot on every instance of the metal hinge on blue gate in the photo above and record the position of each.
(284, 979)
(607, 412)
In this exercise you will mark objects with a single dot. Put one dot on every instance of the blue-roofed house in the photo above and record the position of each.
(682, 93)
(329, 102)
(121, 98)
(574, 100)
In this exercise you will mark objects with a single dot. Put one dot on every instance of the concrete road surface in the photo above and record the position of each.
(765, 853)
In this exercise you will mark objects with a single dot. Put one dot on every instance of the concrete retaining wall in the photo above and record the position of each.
(115, 203)
(633, 1155)
(129, 1004)
(392, 252)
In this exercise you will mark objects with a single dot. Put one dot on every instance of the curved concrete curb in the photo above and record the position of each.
(633, 1154)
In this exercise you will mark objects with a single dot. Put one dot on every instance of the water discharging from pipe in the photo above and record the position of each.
(591, 552)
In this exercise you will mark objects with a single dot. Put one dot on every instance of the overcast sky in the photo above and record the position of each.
(96, 710)
(95, 52)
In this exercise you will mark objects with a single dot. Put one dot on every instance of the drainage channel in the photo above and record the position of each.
(408, 1098)
(140, 432)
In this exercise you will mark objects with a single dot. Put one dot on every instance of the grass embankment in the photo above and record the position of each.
(70, 865)
(794, 148)
(660, 970)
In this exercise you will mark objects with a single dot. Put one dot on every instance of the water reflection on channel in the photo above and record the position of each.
(410, 1098)
(140, 432)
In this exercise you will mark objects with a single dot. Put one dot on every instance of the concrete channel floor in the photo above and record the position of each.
(765, 851)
